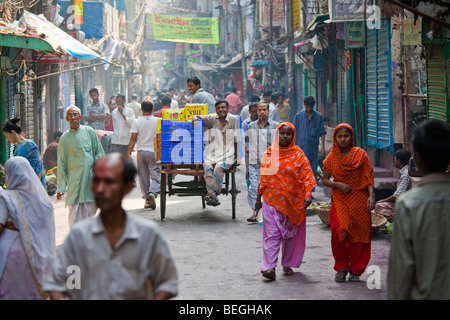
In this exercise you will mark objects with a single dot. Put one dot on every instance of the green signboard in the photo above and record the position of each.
(185, 29)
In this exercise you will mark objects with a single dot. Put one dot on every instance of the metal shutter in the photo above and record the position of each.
(341, 86)
(10, 112)
(378, 88)
(436, 83)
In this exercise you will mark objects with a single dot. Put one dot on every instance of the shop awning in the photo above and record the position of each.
(24, 42)
(320, 18)
(61, 42)
(235, 59)
(202, 67)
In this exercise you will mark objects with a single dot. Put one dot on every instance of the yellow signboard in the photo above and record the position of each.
(297, 15)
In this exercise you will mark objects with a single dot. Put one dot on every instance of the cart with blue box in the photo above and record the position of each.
(181, 153)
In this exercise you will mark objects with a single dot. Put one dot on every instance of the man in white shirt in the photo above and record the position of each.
(143, 131)
(115, 255)
(135, 105)
(123, 118)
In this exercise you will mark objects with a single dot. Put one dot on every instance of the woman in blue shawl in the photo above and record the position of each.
(24, 147)
(27, 233)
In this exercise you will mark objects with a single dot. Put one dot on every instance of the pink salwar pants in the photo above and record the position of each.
(278, 233)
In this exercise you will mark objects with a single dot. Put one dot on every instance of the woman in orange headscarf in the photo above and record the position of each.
(285, 184)
(352, 199)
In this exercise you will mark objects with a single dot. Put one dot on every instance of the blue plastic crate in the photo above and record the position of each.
(181, 152)
(182, 136)
(168, 126)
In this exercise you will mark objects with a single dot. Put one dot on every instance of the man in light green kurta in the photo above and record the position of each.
(78, 149)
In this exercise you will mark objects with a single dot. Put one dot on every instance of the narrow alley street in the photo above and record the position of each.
(219, 258)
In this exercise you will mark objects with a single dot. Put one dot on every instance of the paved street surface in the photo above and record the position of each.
(219, 258)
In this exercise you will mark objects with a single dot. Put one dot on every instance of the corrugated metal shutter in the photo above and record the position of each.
(378, 88)
(10, 111)
(32, 122)
(436, 83)
(341, 85)
(72, 90)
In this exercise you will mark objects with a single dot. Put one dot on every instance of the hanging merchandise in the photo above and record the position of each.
(348, 61)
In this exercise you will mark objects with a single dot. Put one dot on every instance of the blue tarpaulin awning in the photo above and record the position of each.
(61, 42)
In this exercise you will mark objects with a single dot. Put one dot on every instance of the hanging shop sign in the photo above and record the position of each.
(186, 29)
(412, 32)
(343, 10)
(354, 34)
(87, 16)
(348, 60)
(192, 56)
(297, 15)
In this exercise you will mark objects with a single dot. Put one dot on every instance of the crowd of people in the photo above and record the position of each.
(95, 171)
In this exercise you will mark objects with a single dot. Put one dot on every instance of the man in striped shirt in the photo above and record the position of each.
(310, 131)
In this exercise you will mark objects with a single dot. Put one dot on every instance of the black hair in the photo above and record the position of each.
(347, 129)
(263, 103)
(234, 89)
(11, 124)
(403, 155)
(120, 95)
(222, 101)
(309, 101)
(147, 106)
(166, 101)
(267, 93)
(252, 105)
(129, 169)
(255, 98)
(431, 140)
(93, 90)
(274, 96)
(194, 80)
(57, 134)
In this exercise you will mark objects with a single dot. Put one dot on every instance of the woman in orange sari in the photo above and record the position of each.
(352, 199)
(285, 184)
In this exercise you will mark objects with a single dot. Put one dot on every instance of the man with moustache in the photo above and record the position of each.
(117, 255)
(78, 148)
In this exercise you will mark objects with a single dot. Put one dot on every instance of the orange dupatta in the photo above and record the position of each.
(355, 170)
(286, 178)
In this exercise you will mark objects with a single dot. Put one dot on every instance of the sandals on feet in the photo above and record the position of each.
(269, 274)
(212, 201)
(353, 277)
(287, 271)
(340, 276)
(252, 219)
